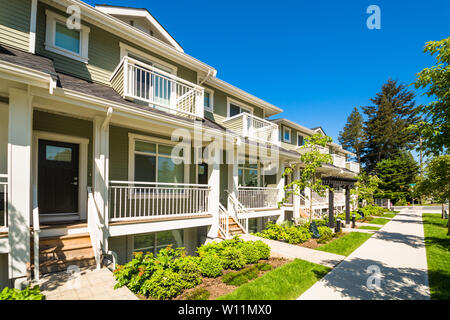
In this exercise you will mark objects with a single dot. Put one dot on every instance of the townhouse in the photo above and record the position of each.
(94, 105)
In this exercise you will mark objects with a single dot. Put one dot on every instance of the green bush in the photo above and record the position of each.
(241, 277)
(198, 294)
(189, 271)
(164, 284)
(326, 234)
(211, 266)
(251, 252)
(233, 258)
(296, 235)
(264, 266)
(263, 250)
(26, 294)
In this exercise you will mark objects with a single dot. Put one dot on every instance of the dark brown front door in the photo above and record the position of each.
(58, 177)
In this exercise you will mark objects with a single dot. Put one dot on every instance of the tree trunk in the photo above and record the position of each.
(448, 218)
(442, 210)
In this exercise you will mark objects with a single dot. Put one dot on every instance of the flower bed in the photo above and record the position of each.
(171, 272)
(29, 293)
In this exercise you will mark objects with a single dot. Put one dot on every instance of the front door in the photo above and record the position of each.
(203, 173)
(57, 177)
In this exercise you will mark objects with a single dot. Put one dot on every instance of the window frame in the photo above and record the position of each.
(52, 19)
(132, 152)
(210, 108)
(303, 139)
(241, 105)
(284, 135)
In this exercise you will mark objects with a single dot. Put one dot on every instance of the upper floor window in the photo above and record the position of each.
(299, 140)
(235, 108)
(61, 39)
(286, 134)
(209, 100)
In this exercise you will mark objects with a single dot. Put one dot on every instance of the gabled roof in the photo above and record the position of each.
(140, 13)
(319, 129)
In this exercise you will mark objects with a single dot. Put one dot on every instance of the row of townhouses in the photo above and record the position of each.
(93, 103)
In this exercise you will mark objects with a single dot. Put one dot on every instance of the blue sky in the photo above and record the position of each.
(314, 59)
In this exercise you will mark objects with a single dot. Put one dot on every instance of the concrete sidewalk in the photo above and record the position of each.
(392, 264)
(291, 251)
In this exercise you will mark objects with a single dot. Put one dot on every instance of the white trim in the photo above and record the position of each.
(210, 108)
(239, 104)
(132, 137)
(50, 45)
(290, 134)
(33, 19)
(126, 49)
(82, 164)
(142, 13)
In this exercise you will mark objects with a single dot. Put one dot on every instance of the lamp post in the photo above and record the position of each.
(353, 221)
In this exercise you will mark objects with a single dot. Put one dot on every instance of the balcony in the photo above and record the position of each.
(353, 166)
(338, 160)
(302, 149)
(132, 201)
(258, 197)
(253, 128)
(137, 81)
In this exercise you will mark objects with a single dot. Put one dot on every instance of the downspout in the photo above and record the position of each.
(109, 113)
(209, 75)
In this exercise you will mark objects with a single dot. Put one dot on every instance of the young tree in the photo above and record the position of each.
(352, 136)
(311, 159)
(435, 127)
(386, 125)
(436, 182)
(397, 174)
(366, 187)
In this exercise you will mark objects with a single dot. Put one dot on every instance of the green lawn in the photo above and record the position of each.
(287, 282)
(346, 244)
(437, 245)
(379, 221)
(369, 228)
(389, 215)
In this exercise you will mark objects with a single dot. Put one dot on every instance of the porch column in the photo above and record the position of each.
(214, 197)
(280, 189)
(101, 172)
(296, 197)
(347, 205)
(331, 209)
(233, 181)
(20, 129)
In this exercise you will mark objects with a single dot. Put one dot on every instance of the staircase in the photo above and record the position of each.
(59, 252)
(229, 225)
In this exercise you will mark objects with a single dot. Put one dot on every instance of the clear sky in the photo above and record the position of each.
(314, 59)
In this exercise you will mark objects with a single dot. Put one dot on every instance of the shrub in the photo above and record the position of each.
(189, 271)
(211, 266)
(251, 252)
(164, 284)
(263, 250)
(233, 258)
(26, 294)
(326, 234)
(241, 277)
(297, 235)
(264, 266)
(210, 248)
(198, 294)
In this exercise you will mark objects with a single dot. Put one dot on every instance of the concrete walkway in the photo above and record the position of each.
(89, 284)
(286, 250)
(392, 264)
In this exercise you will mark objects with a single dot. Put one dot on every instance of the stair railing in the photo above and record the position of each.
(240, 212)
(36, 231)
(224, 221)
(94, 226)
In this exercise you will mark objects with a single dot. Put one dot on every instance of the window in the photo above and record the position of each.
(153, 242)
(59, 38)
(299, 140)
(248, 174)
(55, 153)
(153, 162)
(209, 100)
(286, 134)
(235, 108)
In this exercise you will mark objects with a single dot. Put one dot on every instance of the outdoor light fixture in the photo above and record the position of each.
(338, 225)
(353, 220)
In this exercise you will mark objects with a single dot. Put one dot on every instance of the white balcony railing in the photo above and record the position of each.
(338, 161)
(253, 127)
(3, 201)
(136, 80)
(258, 197)
(131, 200)
(321, 149)
(353, 166)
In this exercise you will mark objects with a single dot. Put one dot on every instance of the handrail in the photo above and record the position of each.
(223, 211)
(241, 209)
(160, 183)
(258, 188)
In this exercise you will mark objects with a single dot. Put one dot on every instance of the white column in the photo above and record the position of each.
(233, 180)
(280, 188)
(296, 198)
(101, 172)
(20, 129)
(214, 197)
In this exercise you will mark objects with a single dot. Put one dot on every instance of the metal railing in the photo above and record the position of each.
(253, 127)
(140, 81)
(3, 201)
(258, 197)
(239, 212)
(132, 200)
(224, 219)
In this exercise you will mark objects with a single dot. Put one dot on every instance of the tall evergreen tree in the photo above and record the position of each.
(386, 125)
(352, 136)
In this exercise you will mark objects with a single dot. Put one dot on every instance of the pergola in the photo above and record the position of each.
(338, 182)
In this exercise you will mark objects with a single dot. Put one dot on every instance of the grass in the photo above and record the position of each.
(198, 294)
(238, 278)
(369, 228)
(389, 215)
(287, 282)
(346, 244)
(379, 221)
(437, 245)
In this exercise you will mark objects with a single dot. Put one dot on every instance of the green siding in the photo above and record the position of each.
(50, 122)
(104, 53)
(15, 23)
